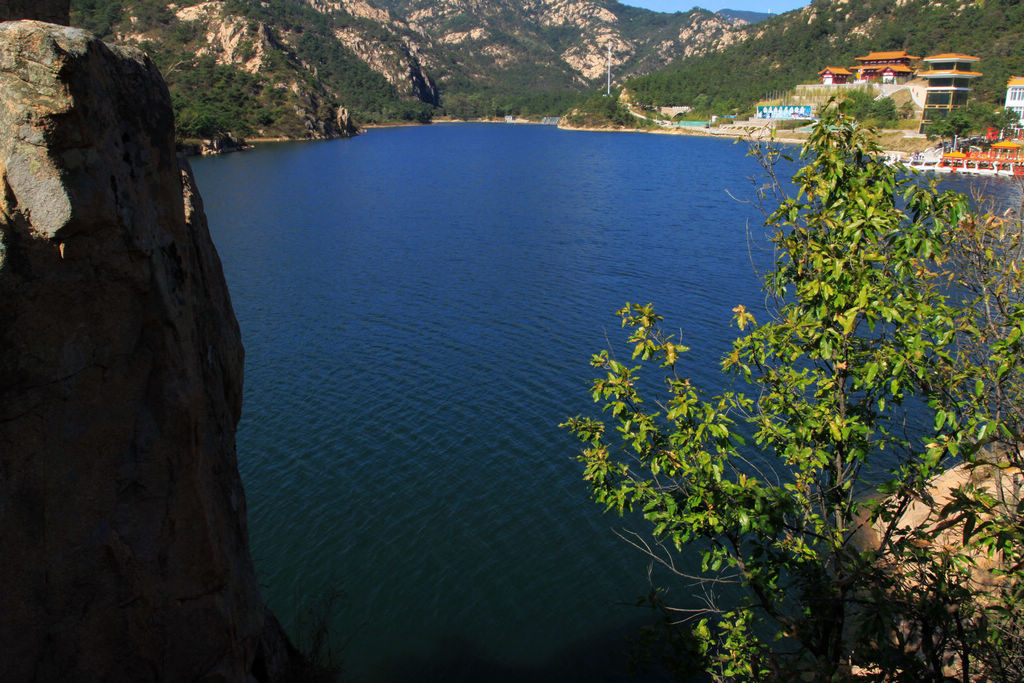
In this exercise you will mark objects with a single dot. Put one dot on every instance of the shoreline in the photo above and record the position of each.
(760, 134)
(716, 132)
(411, 124)
(732, 132)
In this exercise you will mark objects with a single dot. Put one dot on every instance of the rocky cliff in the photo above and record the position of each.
(283, 100)
(122, 514)
(555, 41)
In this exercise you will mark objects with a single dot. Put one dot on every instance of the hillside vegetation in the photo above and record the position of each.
(290, 67)
(269, 69)
(790, 49)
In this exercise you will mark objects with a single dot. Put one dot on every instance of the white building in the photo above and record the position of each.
(1015, 97)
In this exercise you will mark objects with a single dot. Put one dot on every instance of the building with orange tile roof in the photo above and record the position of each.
(949, 79)
(887, 67)
(955, 56)
(834, 75)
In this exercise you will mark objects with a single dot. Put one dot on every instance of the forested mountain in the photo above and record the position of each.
(793, 47)
(274, 68)
(291, 67)
(506, 44)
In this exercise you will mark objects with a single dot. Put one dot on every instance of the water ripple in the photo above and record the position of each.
(418, 308)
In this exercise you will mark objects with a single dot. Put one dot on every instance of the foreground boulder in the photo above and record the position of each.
(122, 514)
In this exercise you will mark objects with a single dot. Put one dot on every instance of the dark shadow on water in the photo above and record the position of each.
(603, 659)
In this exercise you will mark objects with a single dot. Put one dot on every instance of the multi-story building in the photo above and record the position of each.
(1015, 98)
(885, 67)
(949, 83)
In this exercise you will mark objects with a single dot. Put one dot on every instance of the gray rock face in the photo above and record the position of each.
(122, 514)
(345, 123)
(53, 11)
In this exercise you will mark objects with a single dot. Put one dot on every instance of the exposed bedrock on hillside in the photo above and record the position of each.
(122, 514)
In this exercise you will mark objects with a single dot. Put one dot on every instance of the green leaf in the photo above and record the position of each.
(826, 406)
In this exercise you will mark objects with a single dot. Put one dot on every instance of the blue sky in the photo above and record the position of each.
(777, 6)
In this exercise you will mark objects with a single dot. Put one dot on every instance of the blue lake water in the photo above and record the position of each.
(418, 307)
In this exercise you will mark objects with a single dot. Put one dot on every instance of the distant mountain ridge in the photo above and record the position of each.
(506, 43)
(291, 68)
